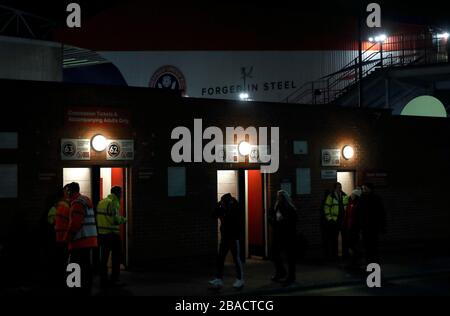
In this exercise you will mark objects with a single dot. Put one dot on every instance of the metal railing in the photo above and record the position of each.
(397, 51)
(18, 23)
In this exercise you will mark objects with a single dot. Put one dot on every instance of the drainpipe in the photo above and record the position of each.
(387, 92)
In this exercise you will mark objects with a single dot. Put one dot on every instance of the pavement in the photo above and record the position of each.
(311, 276)
(425, 285)
(257, 274)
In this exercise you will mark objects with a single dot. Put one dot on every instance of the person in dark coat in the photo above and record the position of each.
(373, 222)
(283, 218)
(227, 211)
(49, 250)
(351, 229)
(323, 224)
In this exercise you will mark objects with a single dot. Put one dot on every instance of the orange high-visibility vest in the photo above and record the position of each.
(82, 227)
(62, 220)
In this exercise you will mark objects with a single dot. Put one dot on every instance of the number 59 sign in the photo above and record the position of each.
(120, 149)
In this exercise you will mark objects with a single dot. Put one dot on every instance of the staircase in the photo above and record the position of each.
(397, 51)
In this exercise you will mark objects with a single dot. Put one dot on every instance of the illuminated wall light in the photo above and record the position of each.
(243, 96)
(99, 142)
(380, 38)
(348, 152)
(244, 148)
(443, 35)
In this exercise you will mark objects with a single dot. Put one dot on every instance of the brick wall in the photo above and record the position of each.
(162, 228)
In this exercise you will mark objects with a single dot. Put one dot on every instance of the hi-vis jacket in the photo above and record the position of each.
(61, 220)
(82, 230)
(108, 218)
(331, 207)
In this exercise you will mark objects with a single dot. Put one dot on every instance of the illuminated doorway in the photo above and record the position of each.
(248, 187)
(96, 183)
(347, 179)
(109, 178)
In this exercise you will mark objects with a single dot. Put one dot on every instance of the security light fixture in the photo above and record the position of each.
(379, 38)
(99, 142)
(348, 152)
(443, 35)
(244, 96)
(244, 148)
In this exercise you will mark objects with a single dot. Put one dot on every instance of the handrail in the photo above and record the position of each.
(399, 50)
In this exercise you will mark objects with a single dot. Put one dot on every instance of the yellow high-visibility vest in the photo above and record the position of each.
(331, 207)
(108, 218)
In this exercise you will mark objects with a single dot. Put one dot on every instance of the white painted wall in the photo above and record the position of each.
(206, 69)
(8, 181)
(227, 182)
(105, 174)
(80, 175)
(25, 59)
(347, 179)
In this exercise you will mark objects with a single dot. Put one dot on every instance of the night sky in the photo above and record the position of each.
(424, 12)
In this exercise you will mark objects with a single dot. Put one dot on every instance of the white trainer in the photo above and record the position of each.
(216, 283)
(238, 284)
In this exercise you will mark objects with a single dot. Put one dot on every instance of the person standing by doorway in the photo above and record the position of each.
(81, 235)
(52, 249)
(110, 242)
(351, 229)
(227, 211)
(61, 223)
(283, 218)
(335, 204)
(373, 222)
(323, 223)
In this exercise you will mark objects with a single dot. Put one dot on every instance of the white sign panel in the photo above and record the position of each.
(120, 149)
(329, 174)
(8, 140)
(176, 181)
(75, 149)
(253, 157)
(300, 147)
(331, 157)
(286, 186)
(259, 154)
(8, 181)
(227, 153)
(303, 181)
(230, 154)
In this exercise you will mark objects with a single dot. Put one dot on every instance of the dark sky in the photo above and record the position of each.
(430, 12)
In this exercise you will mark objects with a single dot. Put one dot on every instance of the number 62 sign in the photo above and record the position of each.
(120, 149)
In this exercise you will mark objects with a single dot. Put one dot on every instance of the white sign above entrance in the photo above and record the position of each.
(331, 157)
(329, 174)
(120, 149)
(230, 154)
(75, 149)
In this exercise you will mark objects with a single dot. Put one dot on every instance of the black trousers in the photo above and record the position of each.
(350, 241)
(283, 242)
(332, 238)
(60, 265)
(370, 244)
(83, 258)
(110, 245)
(227, 245)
